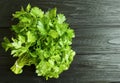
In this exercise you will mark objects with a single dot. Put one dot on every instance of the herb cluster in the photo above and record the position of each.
(43, 39)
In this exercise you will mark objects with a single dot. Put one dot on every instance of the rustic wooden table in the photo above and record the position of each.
(97, 43)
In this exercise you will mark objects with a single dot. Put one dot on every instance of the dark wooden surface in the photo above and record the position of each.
(97, 43)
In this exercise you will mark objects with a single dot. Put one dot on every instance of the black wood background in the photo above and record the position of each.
(97, 43)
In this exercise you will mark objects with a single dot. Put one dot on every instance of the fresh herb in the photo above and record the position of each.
(43, 39)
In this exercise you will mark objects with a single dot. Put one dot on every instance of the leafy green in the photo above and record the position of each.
(42, 39)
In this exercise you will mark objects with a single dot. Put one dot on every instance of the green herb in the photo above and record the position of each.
(43, 39)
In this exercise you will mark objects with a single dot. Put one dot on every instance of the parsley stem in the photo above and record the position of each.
(19, 64)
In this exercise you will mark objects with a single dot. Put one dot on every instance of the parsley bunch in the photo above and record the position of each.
(43, 39)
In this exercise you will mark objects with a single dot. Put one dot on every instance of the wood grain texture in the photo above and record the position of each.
(97, 42)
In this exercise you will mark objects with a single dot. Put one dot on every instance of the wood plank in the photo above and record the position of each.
(87, 12)
(87, 68)
(89, 40)
(97, 40)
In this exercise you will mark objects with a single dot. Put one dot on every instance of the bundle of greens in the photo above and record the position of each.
(41, 39)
